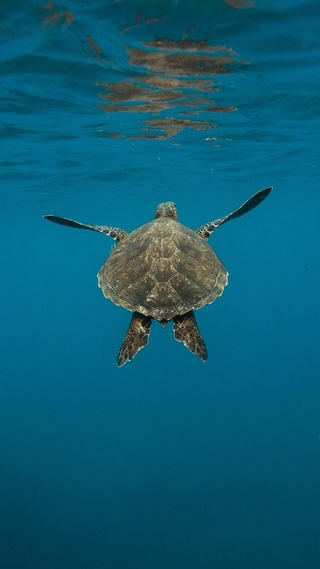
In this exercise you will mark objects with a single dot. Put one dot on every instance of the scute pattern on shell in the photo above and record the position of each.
(162, 269)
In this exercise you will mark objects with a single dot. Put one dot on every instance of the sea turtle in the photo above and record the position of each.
(164, 271)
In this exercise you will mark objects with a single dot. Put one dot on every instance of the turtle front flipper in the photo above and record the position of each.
(114, 232)
(186, 330)
(206, 230)
(137, 337)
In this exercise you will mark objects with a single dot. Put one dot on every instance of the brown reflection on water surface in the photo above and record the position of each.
(179, 76)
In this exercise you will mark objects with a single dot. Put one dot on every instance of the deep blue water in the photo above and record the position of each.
(108, 108)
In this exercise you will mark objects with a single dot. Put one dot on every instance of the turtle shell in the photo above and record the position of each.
(162, 269)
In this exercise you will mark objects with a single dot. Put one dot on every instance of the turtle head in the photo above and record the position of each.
(167, 209)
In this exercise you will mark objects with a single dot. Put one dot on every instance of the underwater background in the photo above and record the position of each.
(107, 109)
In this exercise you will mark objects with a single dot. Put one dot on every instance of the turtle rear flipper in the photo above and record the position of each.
(186, 330)
(114, 232)
(137, 337)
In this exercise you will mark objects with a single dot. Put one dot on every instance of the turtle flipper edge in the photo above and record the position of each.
(186, 330)
(137, 337)
(114, 232)
(206, 230)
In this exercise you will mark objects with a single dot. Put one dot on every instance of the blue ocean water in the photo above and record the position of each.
(108, 108)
